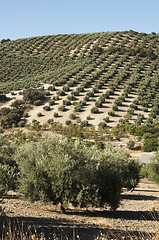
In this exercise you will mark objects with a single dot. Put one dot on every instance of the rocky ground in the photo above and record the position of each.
(136, 216)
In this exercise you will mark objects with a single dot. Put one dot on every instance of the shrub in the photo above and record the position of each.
(68, 122)
(106, 119)
(78, 108)
(47, 93)
(88, 117)
(47, 108)
(84, 123)
(8, 167)
(3, 98)
(56, 114)
(62, 108)
(17, 103)
(21, 124)
(151, 170)
(11, 116)
(37, 102)
(150, 144)
(111, 113)
(102, 124)
(25, 115)
(98, 104)
(66, 102)
(51, 102)
(71, 98)
(31, 95)
(51, 88)
(130, 144)
(50, 121)
(39, 114)
(94, 110)
(72, 116)
(115, 107)
(61, 93)
(66, 88)
(63, 171)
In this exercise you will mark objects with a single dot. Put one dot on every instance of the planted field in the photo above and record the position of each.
(102, 79)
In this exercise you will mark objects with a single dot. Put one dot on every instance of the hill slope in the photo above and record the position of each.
(114, 74)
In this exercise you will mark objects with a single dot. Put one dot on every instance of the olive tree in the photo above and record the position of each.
(64, 171)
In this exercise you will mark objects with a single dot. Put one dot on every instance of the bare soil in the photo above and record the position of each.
(136, 216)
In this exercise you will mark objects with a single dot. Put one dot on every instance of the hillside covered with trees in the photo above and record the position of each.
(103, 80)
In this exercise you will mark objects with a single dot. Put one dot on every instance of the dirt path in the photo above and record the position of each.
(134, 215)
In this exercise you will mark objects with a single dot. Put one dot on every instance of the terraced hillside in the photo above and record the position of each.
(99, 78)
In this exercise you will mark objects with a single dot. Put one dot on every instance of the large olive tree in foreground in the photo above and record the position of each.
(63, 171)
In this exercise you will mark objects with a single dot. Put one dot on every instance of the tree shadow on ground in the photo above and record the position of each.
(125, 215)
(138, 197)
(63, 229)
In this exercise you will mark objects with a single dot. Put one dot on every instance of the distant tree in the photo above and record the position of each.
(94, 110)
(31, 95)
(130, 144)
(3, 98)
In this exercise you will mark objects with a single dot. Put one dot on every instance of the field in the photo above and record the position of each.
(100, 77)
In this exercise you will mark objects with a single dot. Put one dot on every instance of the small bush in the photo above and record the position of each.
(102, 124)
(25, 115)
(51, 102)
(111, 113)
(56, 114)
(72, 116)
(52, 88)
(106, 119)
(130, 144)
(68, 122)
(61, 93)
(37, 102)
(32, 95)
(47, 93)
(62, 108)
(84, 123)
(17, 103)
(151, 170)
(94, 110)
(47, 108)
(21, 124)
(3, 98)
(39, 114)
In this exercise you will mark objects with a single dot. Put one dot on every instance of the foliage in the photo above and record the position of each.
(17, 103)
(151, 170)
(56, 114)
(8, 167)
(94, 110)
(64, 171)
(130, 144)
(10, 116)
(87, 64)
(31, 95)
(3, 98)
(150, 144)
(62, 108)
(47, 108)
